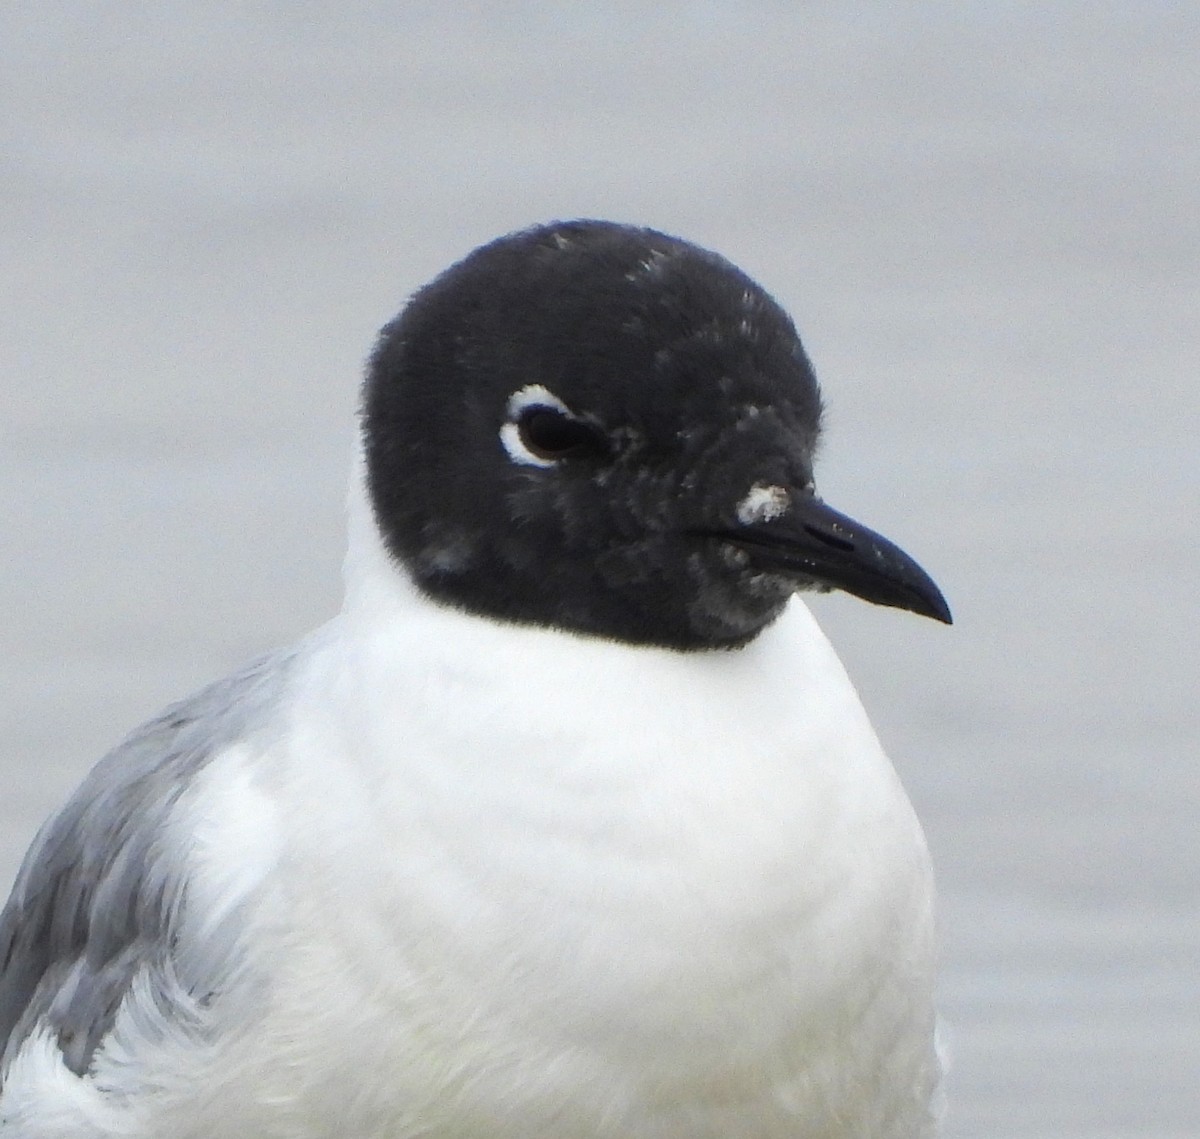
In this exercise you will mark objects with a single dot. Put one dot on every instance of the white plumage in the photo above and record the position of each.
(522, 921)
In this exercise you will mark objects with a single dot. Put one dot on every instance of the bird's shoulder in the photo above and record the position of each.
(101, 898)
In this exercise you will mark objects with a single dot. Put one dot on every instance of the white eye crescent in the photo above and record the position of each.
(541, 430)
(532, 395)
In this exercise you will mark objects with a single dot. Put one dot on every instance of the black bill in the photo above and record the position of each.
(814, 542)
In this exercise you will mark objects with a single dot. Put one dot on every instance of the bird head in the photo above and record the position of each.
(608, 430)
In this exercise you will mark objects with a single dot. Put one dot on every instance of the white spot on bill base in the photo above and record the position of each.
(763, 502)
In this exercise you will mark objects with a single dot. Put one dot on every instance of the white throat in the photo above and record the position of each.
(683, 871)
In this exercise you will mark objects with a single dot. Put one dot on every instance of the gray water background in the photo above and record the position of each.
(985, 220)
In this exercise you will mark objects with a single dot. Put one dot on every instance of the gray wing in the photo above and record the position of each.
(98, 896)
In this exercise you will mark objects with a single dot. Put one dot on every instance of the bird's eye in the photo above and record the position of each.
(550, 435)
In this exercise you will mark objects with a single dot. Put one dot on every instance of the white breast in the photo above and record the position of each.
(540, 885)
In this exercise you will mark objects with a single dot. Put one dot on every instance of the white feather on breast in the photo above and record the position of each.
(565, 887)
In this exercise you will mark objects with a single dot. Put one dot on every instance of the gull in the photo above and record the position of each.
(570, 825)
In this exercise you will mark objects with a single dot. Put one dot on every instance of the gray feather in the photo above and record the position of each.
(98, 897)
